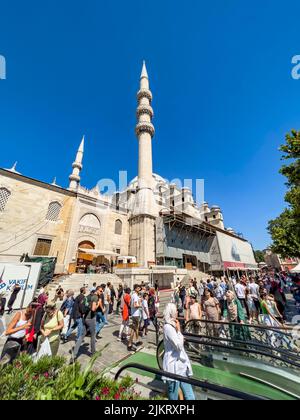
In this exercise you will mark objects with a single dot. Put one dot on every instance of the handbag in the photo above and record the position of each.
(44, 351)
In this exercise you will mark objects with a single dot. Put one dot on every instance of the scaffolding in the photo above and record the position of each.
(185, 228)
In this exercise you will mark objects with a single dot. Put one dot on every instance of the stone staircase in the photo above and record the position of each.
(164, 298)
(198, 275)
(77, 281)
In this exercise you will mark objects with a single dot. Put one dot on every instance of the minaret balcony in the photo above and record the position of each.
(77, 165)
(144, 93)
(145, 127)
(145, 109)
(74, 177)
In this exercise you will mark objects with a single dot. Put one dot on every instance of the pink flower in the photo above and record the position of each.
(105, 391)
(98, 398)
(46, 375)
(117, 396)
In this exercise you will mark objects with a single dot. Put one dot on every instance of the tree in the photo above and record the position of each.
(259, 256)
(285, 230)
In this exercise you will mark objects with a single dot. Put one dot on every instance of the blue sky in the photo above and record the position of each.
(220, 74)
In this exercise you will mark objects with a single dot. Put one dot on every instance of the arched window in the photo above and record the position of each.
(118, 227)
(89, 223)
(4, 196)
(53, 211)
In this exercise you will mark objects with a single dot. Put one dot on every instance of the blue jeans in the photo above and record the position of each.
(106, 313)
(77, 324)
(100, 322)
(173, 391)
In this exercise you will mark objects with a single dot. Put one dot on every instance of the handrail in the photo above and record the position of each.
(285, 331)
(255, 326)
(243, 350)
(244, 343)
(192, 381)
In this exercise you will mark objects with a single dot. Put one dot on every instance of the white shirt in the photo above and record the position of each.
(135, 300)
(254, 290)
(175, 359)
(145, 310)
(221, 291)
(240, 291)
(107, 295)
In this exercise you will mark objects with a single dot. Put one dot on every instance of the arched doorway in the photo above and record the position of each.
(84, 259)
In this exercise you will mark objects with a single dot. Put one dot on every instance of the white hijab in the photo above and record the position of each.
(170, 314)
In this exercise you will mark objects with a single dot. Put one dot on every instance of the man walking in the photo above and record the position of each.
(107, 301)
(136, 306)
(89, 324)
(77, 316)
(240, 290)
(100, 318)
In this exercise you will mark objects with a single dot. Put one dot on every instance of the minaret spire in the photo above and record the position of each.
(145, 131)
(14, 168)
(144, 71)
(77, 168)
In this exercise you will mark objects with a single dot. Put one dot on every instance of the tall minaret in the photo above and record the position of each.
(77, 168)
(145, 131)
(145, 211)
(145, 203)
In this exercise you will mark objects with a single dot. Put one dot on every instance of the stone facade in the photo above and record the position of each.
(26, 219)
(97, 225)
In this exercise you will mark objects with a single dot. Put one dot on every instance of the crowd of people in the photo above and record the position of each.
(254, 299)
(86, 314)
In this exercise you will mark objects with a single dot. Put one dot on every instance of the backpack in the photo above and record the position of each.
(86, 305)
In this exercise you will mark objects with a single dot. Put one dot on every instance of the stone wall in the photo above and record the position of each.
(23, 220)
(96, 224)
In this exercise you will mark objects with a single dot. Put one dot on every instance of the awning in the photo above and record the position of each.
(98, 252)
(296, 269)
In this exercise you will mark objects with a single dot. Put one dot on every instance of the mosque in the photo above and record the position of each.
(152, 229)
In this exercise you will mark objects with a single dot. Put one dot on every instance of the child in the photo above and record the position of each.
(146, 316)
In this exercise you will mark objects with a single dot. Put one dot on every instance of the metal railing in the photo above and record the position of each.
(205, 339)
(275, 338)
(192, 381)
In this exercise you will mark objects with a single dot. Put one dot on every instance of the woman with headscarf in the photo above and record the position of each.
(176, 360)
(234, 314)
